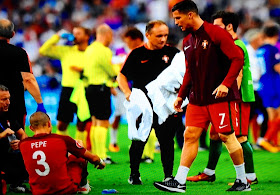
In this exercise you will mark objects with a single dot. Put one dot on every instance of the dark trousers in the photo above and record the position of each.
(165, 134)
(13, 166)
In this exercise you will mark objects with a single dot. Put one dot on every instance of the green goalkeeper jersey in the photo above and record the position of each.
(247, 90)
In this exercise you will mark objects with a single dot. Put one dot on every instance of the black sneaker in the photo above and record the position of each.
(172, 185)
(109, 161)
(239, 186)
(19, 189)
(134, 179)
(168, 178)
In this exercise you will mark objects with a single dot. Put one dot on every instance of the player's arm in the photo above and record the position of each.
(229, 48)
(240, 75)
(20, 134)
(75, 147)
(239, 79)
(6, 133)
(50, 49)
(123, 84)
(234, 54)
(184, 89)
(94, 159)
(32, 86)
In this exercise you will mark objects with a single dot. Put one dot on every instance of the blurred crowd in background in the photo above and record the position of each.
(37, 20)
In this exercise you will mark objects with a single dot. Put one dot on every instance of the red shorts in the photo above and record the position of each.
(74, 169)
(243, 118)
(221, 115)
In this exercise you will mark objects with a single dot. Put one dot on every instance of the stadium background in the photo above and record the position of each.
(38, 20)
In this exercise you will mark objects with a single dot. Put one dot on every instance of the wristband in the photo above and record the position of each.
(41, 108)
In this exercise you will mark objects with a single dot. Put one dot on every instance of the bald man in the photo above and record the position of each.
(100, 74)
(16, 74)
(51, 169)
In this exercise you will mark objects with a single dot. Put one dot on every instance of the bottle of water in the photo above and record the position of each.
(11, 138)
(68, 36)
(109, 191)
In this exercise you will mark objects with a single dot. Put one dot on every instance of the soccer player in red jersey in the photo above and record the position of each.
(230, 21)
(51, 169)
(213, 63)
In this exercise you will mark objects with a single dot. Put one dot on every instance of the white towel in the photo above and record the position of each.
(163, 90)
(138, 104)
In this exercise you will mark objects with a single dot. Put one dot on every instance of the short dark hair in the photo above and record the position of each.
(86, 30)
(6, 28)
(3, 88)
(39, 119)
(150, 25)
(185, 6)
(271, 31)
(228, 18)
(133, 33)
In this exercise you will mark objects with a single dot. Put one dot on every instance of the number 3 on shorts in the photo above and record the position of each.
(42, 161)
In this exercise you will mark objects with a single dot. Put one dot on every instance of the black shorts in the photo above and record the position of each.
(66, 109)
(99, 101)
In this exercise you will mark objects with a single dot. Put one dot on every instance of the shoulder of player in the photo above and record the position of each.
(171, 48)
(18, 50)
(215, 32)
(138, 51)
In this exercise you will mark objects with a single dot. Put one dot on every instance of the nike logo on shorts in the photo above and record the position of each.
(221, 127)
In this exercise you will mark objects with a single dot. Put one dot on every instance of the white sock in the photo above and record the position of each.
(182, 173)
(240, 172)
(209, 171)
(251, 176)
(113, 136)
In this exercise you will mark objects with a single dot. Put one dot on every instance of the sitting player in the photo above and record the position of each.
(51, 170)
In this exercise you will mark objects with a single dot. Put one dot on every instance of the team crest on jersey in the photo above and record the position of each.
(165, 58)
(78, 145)
(204, 44)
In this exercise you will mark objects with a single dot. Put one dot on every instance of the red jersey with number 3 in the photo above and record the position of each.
(45, 157)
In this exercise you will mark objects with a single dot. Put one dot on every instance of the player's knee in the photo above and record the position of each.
(191, 135)
(231, 142)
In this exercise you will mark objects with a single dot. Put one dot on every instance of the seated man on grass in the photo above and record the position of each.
(51, 169)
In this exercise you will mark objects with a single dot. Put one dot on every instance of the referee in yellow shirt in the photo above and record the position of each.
(72, 63)
(100, 73)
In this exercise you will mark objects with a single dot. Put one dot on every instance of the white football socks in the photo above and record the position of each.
(113, 136)
(182, 173)
(240, 172)
(209, 172)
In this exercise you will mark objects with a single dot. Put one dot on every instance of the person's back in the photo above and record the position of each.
(10, 75)
(45, 157)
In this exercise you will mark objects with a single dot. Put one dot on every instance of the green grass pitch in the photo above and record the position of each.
(267, 167)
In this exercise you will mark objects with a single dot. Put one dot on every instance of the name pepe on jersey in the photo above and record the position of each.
(38, 144)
